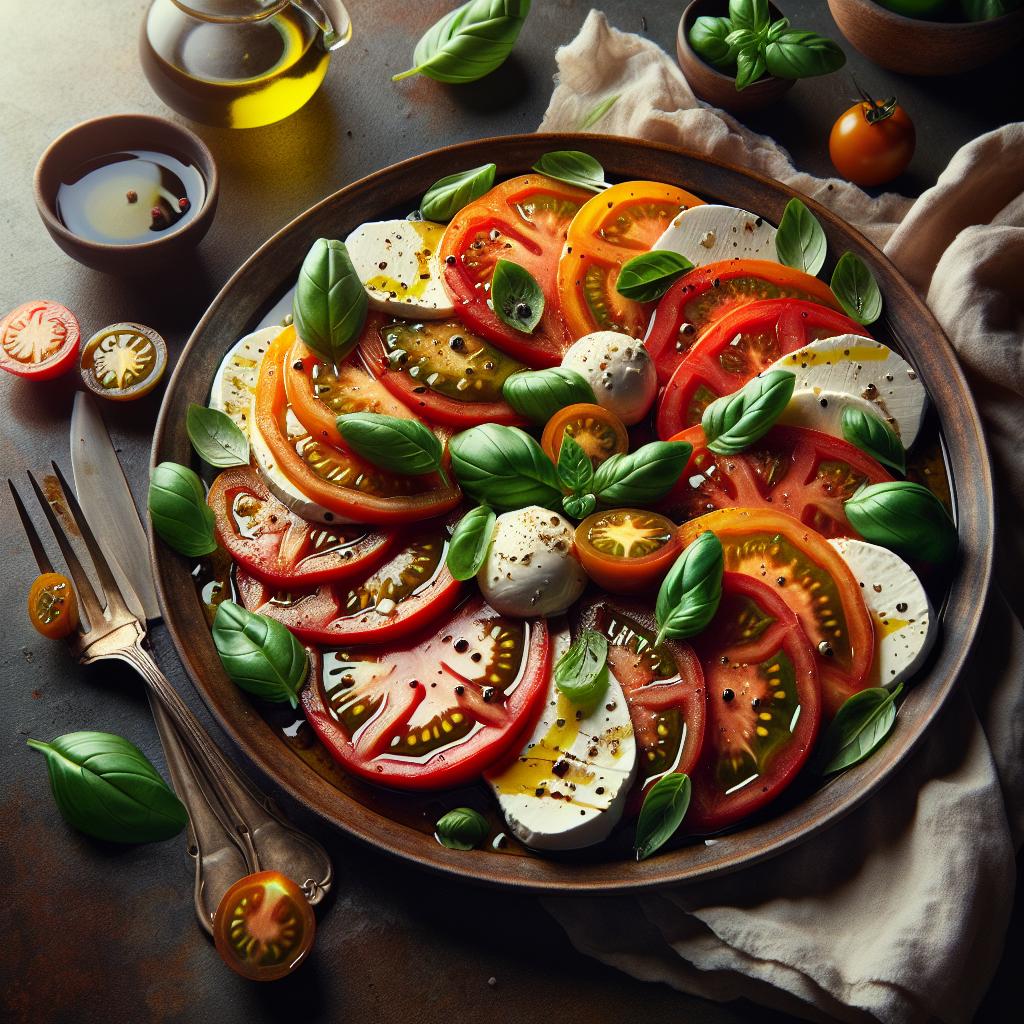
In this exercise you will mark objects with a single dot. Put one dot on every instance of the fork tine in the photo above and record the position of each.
(34, 542)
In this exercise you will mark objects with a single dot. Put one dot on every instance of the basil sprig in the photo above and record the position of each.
(860, 727)
(689, 595)
(467, 549)
(216, 437)
(393, 443)
(648, 276)
(903, 516)
(106, 787)
(579, 506)
(581, 674)
(461, 829)
(469, 42)
(855, 287)
(574, 168)
(330, 303)
(574, 468)
(800, 240)
(259, 654)
(641, 477)
(539, 394)
(663, 811)
(873, 435)
(707, 37)
(734, 422)
(450, 194)
(517, 298)
(178, 510)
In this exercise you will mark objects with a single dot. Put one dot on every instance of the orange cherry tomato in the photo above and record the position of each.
(872, 142)
(53, 606)
(627, 550)
(600, 433)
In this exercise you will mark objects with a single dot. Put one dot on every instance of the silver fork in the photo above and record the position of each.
(233, 828)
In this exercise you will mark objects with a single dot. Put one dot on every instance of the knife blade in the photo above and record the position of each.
(107, 502)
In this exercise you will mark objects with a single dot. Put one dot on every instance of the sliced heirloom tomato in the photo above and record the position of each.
(600, 433)
(812, 578)
(627, 550)
(738, 347)
(705, 295)
(438, 709)
(39, 340)
(802, 472)
(614, 226)
(523, 220)
(764, 704)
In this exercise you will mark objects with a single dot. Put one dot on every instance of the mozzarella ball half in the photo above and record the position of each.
(619, 370)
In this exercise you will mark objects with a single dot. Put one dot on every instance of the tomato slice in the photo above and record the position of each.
(802, 472)
(600, 433)
(812, 578)
(614, 226)
(124, 361)
(438, 709)
(764, 704)
(53, 606)
(736, 348)
(708, 293)
(523, 220)
(39, 340)
(627, 550)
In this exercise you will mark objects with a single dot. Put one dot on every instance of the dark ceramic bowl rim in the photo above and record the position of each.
(949, 27)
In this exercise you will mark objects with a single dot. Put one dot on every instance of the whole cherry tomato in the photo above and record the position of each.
(872, 142)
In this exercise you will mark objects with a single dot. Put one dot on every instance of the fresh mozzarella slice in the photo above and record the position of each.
(705, 234)
(399, 265)
(864, 369)
(619, 370)
(235, 382)
(568, 787)
(823, 410)
(905, 626)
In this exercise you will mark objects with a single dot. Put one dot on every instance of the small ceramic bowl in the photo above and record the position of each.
(112, 134)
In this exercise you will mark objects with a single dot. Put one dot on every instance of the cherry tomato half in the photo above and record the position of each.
(53, 606)
(600, 433)
(872, 143)
(627, 550)
(39, 340)
(124, 361)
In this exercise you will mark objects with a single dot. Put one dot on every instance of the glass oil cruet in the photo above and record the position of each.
(240, 63)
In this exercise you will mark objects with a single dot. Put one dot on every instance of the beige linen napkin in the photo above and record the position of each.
(898, 913)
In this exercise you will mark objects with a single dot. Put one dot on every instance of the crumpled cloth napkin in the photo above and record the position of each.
(898, 913)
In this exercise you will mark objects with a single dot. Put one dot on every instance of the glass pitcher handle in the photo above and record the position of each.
(332, 19)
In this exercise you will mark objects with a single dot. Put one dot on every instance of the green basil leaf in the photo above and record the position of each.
(450, 194)
(582, 672)
(503, 467)
(575, 470)
(598, 111)
(750, 67)
(641, 477)
(751, 14)
(330, 303)
(470, 541)
(734, 422)
(860, 727)
(873, 435)
(105, 787)
(905, 517)
(178, 510)
(707, 37)
(800, 241)
(776, 29)
(984, 10)
(689, 595)
(461, 829)
(216, 437)
(579, 506)
(469, 42)
(259, 654)
(574, 168)
(797, 54)
(648, 276)
(855, 287)
(393, 443)
(517, 298)
(663, 811)
(741, 39)
(539, 394)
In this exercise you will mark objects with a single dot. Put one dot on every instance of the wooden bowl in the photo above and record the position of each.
(915, 47)
(249, 297)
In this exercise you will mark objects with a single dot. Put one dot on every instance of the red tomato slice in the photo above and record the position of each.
(438, 709)
(764, 704)
(39, 340)
(737, 348)
(523, 220)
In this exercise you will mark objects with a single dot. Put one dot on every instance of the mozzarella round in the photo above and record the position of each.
(904, 620)
(705, 234)
(234, 384)
(823, 410)
(531, 567)
(618, 369)
(399, 265)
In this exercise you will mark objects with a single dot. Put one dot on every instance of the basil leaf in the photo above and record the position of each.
(539, 394)
(106, 787)
(663, 811)
(648, 276)
(751, 14)
(330, 303)
(575, 470)
(467, 550)
(517, 298)
(393, 443)
(873, 435)
(582, 672)
(800, 240)
(734, 422)
(750, 67)
(797, 54)
(689, 595)
(450, 194)
(707, 37)
(579, 506)
(598, 111)
(503, 467)
(776, 29)
(469, 42)
(216, 437)
(855, 287)
(643, 476)
(742, 38)
(574, 168)
(259, 654)
(905, 517)
(178, 510)
(461, 829)
(860, 727)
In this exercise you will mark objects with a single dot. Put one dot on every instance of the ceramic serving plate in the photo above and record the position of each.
(271, 271)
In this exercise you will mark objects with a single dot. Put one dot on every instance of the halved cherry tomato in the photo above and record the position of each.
(122, 362)
(614, 226)
(269, 541)
(737, 347)
(53, 606)
(764, 704)
(438, 709)
(39, 340)
(796, 470)
(264, 926)
(627, 550)
(708, 293)
(600, 433)
(522, 220)
(812, 578)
